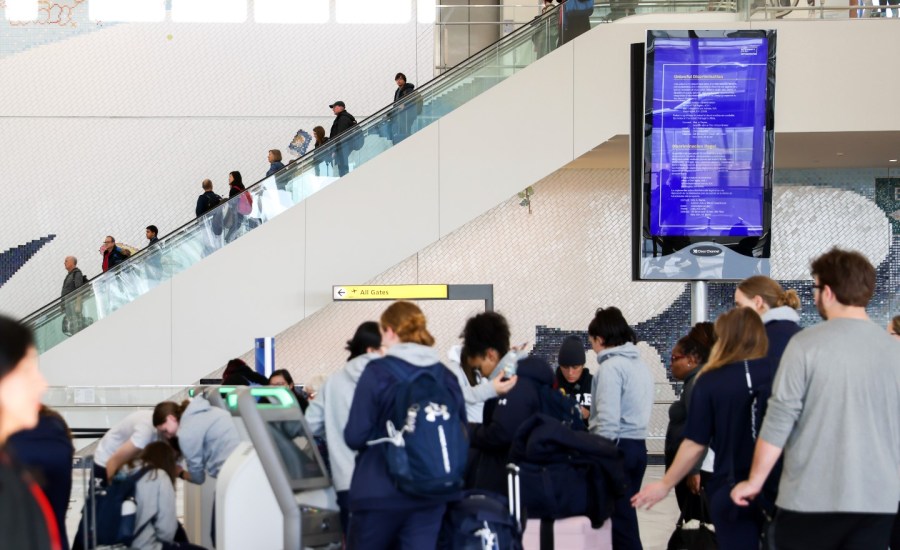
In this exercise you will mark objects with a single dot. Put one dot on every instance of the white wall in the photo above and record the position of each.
(414, 194)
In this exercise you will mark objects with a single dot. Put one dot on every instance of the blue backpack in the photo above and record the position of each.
(426, 443)
(115, 512)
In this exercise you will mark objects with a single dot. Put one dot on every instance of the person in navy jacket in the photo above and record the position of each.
(777, 307)
(726, 411)
(486, 340)
(381, 516)
(46, 450)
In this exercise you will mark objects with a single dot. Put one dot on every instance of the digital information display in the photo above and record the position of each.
(708, 139)
(702, 165)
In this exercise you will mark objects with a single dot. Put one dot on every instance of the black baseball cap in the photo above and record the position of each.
(337, 104)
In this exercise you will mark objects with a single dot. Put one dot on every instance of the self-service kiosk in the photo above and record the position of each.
(274, 491)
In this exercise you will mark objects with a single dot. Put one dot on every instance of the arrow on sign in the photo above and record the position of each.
(341, 292)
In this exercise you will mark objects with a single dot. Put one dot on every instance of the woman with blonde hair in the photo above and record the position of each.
(776, 306)
(382, 515)
(725, 414)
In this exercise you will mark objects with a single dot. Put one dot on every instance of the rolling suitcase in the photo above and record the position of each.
(573, 533)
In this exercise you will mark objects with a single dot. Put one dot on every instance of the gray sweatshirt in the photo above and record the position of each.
(622, 394)
(835, 410)
(327, 415)
(155, 520)
(207, 437)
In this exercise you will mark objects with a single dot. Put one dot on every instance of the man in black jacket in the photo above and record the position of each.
(208, 200)
(405, 112)
(343, 121)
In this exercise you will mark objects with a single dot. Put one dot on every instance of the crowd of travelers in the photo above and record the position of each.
(233, 222)
(798, 425)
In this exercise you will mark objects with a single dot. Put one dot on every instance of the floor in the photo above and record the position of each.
(656, 524)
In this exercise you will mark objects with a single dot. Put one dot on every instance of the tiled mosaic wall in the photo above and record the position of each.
(553, 268)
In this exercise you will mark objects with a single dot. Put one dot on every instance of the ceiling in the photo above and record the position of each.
(795, 150)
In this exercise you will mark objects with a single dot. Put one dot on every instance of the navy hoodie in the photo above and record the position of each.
(502, 418)
(372, 487)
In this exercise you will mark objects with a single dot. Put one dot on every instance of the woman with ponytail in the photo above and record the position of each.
(382, 517)
(726, 412)
(327, 414)
(206, 435)
(26, 518)
(777, 308)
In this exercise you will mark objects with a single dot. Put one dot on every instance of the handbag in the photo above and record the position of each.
(694, 534)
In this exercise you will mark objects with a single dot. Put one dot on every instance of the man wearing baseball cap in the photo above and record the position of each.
(343, 121)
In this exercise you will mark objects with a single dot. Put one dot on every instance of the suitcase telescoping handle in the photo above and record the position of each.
(515, 497)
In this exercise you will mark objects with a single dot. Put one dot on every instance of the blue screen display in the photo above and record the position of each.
(708, 137)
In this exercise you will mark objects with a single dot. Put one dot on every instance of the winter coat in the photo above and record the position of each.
(781, 323)
(583, 469)
(342, 122)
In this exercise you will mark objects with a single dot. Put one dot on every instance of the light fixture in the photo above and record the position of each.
(893, 160)
(291, 11)
(425, 11)
(131, 11)
(21, 10)
(209, 11)
(367, 11)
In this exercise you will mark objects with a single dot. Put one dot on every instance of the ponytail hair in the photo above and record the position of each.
(698, 342)
(740, 335)
(408, 323)
(770, 292)
(366, 336)
(166, 408)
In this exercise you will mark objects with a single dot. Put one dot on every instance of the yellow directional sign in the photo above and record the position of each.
(389, 292)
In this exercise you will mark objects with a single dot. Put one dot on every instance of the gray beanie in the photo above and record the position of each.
(571, 353)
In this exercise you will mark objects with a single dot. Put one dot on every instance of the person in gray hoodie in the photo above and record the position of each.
(155, 521)
(327, 414)
(621, 401)
(206, 435)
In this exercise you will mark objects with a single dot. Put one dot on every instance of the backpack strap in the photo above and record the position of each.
(395, 436)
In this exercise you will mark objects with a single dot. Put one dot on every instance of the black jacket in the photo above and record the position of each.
(116, 256)
(342, 122)
(779, 333)
(502, 418)
(46, 450)
(580, 390)
(22, 523)
(403, 91)
(565, 468)
(678, 412)
(206, 202)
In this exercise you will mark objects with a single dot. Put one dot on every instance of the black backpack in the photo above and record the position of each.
(357, 139)
(115, 512)
(212, 202)
(480, 520)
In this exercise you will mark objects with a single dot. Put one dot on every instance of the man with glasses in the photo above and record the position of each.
(835, 415)
(112, 254)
